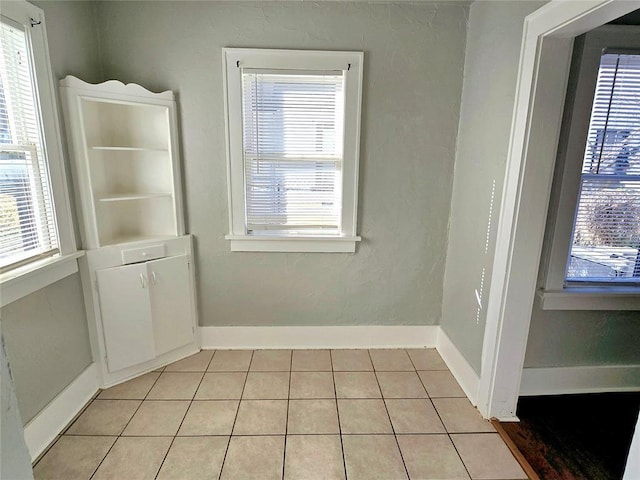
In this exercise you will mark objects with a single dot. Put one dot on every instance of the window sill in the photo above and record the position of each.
(30, 278)
(249, 243)
(591, 298)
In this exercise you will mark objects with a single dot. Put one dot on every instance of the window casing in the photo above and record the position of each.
(293, 121)
(591, 241)
(37, 246)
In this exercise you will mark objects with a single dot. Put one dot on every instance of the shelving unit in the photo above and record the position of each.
(125, 151)
(137, 274)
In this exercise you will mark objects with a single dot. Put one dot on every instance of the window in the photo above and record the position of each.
(591, 251)
(606, 233)
(36, 233)
(293, 138)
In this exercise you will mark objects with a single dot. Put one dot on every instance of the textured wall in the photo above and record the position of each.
(491, 67)
(412, 83)
(46, 332)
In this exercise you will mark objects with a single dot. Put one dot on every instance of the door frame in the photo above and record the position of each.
(543, 69)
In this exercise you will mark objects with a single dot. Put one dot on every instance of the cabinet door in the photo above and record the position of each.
(171, 302)
(126, 315)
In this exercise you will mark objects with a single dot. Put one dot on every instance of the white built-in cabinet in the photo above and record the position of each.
(137, 273)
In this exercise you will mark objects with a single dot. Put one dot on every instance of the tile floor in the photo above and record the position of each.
(302, 414)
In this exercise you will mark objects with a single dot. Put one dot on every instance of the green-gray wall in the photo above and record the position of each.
(414, 57)
(491, 66)
(46, 333)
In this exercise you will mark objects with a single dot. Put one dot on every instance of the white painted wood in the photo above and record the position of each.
(47, 424)
(590, 299)
(247, 243)
(587, 379)
(124, 144)
(125, 310)
(362, 336)
(632, 468)
(170, 289)
(463, 372)
(30, 278)
(542, 73)
(233, 60)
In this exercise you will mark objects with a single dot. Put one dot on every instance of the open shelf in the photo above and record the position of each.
(127, 149)
(133, 196)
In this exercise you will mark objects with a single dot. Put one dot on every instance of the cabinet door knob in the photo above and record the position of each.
(154, 278)
(142, 280)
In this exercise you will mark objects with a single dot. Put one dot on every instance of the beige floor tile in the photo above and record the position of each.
(157, 418)
(312, 416)
(258, 458)
(357, 385)
(267, 385)
(104, 417)
(351, 361)
(487, 457)
(391, 360)
(311, 361)
(312, 385)
(401, 385)
(431, 457)
(459, 416)
(271, 361)
(221, 386)
(261, 417)
(134, 458)
(372, 457)
(194, 363)
(426, 359)
(135, 389)
(414, 416)
(73, 457)
(440, 384)
(231, 361)
(175, 386)
(363, 416)
(194, 458)
(313, 457)
(209, 417)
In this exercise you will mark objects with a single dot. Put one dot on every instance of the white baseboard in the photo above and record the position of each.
(47, 424)
(407, 336)
(565, 380)
(459, 367)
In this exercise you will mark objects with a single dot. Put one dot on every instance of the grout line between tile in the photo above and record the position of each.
(224, 458)
(120, 434)
(286, 422)
(184, 416)
(393, 429)
(344, 461)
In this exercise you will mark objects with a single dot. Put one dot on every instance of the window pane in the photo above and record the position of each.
(292, 136)
(27, 227)
(606, 233)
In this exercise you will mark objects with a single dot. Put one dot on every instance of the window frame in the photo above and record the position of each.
(28, 278)
(234, 59)
(555, 292)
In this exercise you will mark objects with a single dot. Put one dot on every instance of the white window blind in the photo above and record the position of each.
(27, 222)
(293, 129)
(606, 234)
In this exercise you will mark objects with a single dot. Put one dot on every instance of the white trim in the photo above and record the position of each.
(590, 298)
(247, 243)
(369, 336)
(544, 62)
(47, 424)
(463, 372)
(565, 380)
(23, 281)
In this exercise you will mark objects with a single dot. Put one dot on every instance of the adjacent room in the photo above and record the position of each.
(301, 239)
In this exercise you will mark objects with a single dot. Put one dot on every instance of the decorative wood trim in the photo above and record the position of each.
(47, 424)
(463, 372)
(368, 336)
(115, 86)
(589, 379)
